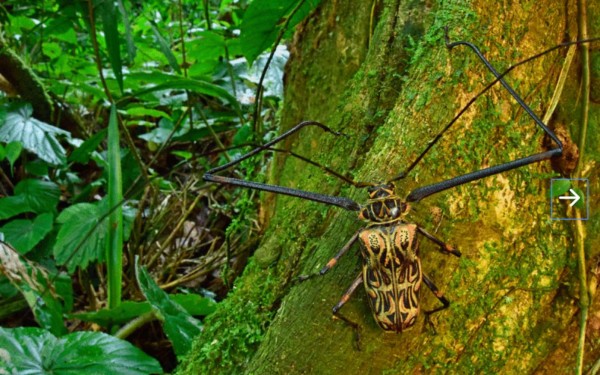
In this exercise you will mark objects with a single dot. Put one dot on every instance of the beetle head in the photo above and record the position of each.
(383, 205)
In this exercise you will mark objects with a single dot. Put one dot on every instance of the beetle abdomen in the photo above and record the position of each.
(392, 274)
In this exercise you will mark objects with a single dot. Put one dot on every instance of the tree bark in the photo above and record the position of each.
(379, 72)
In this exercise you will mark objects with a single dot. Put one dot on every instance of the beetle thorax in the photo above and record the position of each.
(383, 206)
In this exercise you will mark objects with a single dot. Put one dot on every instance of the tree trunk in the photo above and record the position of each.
(379, 72)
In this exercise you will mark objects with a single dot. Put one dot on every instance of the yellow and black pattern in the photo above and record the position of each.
(392, 274)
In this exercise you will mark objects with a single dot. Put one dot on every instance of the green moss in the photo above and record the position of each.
(237, 328)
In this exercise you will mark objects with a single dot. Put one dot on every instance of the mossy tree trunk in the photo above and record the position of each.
(379, 72)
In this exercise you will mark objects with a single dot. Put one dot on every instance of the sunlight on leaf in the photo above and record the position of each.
(36, 136)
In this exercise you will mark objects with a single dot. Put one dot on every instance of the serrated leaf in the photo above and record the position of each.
(36, 351)
(23, 235)
(263, 20)
(559, 187)
(40, 196)
(179, 326)
(81, 238)
(36, 136)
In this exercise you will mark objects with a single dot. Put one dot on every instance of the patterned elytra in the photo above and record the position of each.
(391, 268)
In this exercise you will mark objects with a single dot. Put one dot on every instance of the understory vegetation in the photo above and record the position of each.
(110, 113)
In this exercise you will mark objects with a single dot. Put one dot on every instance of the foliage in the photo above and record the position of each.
(34, 350)
(170, 83)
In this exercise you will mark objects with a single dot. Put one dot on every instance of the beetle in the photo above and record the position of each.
(391, 268)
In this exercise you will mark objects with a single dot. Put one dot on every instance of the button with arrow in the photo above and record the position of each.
(575, 197)
(575, 192)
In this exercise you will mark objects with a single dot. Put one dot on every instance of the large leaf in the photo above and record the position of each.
(23, 235)
(82, 236)
(36, 351)
(180, 327)
(40, 196)
(36, 136)
(263, 20)
(30, 196)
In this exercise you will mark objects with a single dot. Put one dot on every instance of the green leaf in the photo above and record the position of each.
(194, 85)
(23, 235)
(165, 48)
(195, 304)
(114, 246)
(179, 326)
(110, 21)
(262, 22)
(143, 111)
(36, 136)
(46, 310)
(36, 351)
(13, 150)
(83, 152)
(129, 310)
(13, 206)
(31, 281)
(40, 196)
(82, 236)
(37, 168)
(121, 314)
(131, 50)
(559, 187)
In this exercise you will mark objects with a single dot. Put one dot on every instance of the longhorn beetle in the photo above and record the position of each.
(391, 268)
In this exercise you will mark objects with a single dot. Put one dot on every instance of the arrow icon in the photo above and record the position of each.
(575, 197)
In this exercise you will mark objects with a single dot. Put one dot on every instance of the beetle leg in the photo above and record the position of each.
(439, 295)
(342, 302)
(444, 247)
(333, 261)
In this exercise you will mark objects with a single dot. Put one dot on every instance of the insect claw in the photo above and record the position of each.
(452, 250)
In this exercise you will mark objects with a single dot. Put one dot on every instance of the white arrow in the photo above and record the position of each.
(575, 197)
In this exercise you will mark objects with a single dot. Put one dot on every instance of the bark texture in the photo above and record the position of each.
(379, 72)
